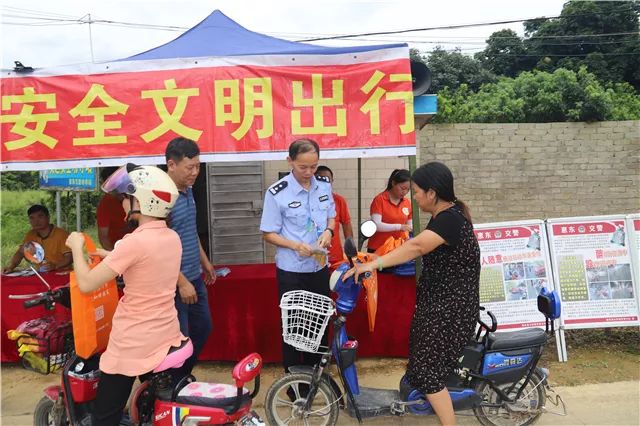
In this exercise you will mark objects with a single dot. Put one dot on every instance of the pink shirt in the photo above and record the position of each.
(145, 324)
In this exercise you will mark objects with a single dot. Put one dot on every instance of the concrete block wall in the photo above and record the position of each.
(527, 171)
(513, 171)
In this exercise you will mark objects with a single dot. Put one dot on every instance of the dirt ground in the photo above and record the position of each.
(600, 383)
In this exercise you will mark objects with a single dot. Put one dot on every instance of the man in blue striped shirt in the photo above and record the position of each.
(183, 166)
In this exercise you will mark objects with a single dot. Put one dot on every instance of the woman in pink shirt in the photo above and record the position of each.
(145, 325)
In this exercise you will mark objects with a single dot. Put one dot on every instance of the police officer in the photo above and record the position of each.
(298, 216)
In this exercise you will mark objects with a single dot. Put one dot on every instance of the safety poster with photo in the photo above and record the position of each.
(633, 224)
(592, 266)
(515, 266)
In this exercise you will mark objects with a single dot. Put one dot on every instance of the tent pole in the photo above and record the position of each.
(58, 210)
(359, 202)
(78, 218)
(416, 214)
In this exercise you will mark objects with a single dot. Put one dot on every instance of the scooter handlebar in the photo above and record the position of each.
(34, 302)
(49, 297)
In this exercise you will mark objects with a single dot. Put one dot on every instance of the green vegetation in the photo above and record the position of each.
(581, 66)
(536, 97)
(14, 205)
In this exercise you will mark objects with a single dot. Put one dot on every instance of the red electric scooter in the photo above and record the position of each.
(155, 402)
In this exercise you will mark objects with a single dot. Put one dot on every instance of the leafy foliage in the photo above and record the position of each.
(19, 181)
(569, 42)
(534, 97)
(451, 69)
(505, 54)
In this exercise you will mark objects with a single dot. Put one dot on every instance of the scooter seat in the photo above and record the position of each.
(517, 339)
(215, 395)
(176, 356)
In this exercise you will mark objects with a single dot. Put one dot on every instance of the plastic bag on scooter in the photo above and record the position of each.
(371, 286)
(91, 313)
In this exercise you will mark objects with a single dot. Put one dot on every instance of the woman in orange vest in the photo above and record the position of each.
(391, 211)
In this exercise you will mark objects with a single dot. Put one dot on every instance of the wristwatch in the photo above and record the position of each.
(330, 230)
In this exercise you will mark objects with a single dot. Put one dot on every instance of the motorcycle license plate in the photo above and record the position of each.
(251, 419)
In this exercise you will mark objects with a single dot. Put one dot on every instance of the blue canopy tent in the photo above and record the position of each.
(219, 35)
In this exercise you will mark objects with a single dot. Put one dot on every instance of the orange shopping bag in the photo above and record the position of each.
(91, 313)
(390, 244)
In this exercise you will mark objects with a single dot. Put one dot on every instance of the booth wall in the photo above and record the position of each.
(536, 171)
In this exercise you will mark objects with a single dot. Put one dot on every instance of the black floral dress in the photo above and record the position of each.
(447, 302)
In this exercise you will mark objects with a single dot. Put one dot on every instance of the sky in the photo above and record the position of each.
(63, 43)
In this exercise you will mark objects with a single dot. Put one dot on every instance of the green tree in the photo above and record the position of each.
(19, 181)
(451, 69)
(505, 54)
(571, 41)
(415, 55)
(533, 97)
(568, 42)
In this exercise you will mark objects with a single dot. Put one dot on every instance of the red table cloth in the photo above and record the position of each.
(246, 316)
(14, 313)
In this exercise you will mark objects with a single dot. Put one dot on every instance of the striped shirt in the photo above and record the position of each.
(182, 219)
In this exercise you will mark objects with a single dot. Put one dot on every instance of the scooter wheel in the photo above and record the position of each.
(527, 410)
(43, 414)
(285, 400)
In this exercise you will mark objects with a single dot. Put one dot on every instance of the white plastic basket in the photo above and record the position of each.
(304, 318)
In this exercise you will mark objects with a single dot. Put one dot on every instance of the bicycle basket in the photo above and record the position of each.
(304, 319)
(46, 351)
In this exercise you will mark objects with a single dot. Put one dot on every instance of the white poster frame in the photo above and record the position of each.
(552, 251)
(634, 243)
(551, 282)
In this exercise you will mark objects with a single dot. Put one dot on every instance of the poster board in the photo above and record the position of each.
(515, 263)
(592, 270)
(633, 225)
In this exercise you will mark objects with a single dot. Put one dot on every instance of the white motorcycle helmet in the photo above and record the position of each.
(155, 191)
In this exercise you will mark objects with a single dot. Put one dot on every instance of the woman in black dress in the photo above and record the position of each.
(447, 300)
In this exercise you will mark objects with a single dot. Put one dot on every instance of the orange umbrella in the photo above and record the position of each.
(371, 286)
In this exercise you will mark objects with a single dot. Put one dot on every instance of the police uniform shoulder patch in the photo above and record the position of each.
(278, 187)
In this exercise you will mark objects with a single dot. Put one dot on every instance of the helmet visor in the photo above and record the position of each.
(119, 182)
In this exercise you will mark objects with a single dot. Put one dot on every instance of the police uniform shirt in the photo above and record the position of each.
(299, 215)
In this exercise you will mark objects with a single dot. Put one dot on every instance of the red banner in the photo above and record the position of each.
(226, 109)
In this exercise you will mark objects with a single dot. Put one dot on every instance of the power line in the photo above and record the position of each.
(453, 27)
(36, 24)
(542, 55)
(58, 19)
(294, 35)
(482, 43)
(35, 12)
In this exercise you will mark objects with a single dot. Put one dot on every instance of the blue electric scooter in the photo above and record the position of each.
(497, 377)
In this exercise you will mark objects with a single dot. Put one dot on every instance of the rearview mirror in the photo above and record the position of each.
(368, 228)
(33, 252)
